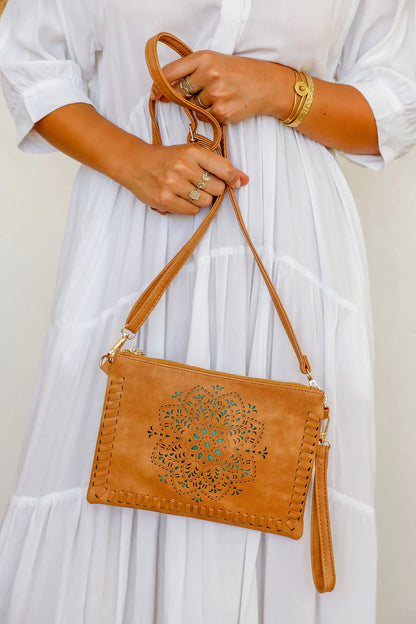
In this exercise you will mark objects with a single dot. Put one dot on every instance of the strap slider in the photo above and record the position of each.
(193, 138)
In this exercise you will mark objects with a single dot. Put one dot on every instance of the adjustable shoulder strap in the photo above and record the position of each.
(2, 6)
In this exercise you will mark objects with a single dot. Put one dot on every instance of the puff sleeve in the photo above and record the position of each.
(47, 58)
(379, 59)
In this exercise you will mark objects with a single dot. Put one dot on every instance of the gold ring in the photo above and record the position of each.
(202, 184)
(194, 194)
(186, 88)
(197, 100)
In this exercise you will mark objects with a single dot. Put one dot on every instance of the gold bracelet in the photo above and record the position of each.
(306, 106)
(296, 104)
(301, 91)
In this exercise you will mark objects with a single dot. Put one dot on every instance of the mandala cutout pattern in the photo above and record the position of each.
(207, 443)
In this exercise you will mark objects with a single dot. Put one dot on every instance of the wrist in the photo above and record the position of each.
(279, 94)
(123, 165)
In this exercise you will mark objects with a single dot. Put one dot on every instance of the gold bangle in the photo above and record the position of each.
(301, 91)
(307, 103)
(295, 106)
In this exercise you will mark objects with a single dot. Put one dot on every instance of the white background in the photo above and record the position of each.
(34, 196)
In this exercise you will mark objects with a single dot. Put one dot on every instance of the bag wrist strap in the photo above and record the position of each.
(322, 555)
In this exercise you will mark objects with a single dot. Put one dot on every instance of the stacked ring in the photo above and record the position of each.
(205, 178)
(199, 102)
(202, 184)
(186, 88)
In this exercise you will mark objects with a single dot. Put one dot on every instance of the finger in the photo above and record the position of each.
(158, 97)
(162, 212)
(173, 203)
(203, 201)
(201, 96)
(175, 70)
(214, 186)
(207, 104)
(219, 166)
(243, 177)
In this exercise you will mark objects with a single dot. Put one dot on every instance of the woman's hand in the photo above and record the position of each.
(160, 176)
(235, 87)
(163, 176)
(239, 87)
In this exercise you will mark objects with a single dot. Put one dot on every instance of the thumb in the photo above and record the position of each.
(244, 179)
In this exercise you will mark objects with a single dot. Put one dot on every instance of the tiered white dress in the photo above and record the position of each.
(64, 561)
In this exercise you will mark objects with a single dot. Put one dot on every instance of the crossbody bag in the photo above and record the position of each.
(210, 445)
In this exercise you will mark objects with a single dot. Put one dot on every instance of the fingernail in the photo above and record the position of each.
(238, 183)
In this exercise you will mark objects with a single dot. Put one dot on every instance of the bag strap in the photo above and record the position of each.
(322, 554)
(150, 297)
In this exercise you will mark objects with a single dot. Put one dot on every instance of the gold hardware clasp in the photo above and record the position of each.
(313, 384)
(193, 138)
(322, 434)
(110, 355)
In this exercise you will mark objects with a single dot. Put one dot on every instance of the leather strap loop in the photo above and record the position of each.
(322, 555)
(164, 87)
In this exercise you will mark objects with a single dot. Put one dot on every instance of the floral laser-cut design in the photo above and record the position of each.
(207, 443)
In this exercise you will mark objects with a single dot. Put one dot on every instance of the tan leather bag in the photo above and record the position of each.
(183, 440)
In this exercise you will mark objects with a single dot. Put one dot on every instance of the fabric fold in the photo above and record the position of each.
(118, 561)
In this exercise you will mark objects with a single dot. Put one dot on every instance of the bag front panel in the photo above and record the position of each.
(205, 444)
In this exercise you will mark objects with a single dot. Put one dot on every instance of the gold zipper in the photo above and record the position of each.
(140, 353)
(134, 351)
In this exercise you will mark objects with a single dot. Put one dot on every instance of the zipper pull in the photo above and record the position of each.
(134, 351)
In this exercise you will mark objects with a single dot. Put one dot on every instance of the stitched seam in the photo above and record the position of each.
(328, 549)
(103, 453)
(322, 522)
(304, 464)
(315, 540)
(143, 501)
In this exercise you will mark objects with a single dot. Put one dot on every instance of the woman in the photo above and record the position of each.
(75, 79)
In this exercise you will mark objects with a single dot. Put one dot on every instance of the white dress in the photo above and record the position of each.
(64, 561)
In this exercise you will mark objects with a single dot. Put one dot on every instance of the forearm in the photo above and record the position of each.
(161, 177)
(340, 116)
(81, 132)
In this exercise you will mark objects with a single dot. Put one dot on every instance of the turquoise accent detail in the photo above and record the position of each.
(187, 426)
